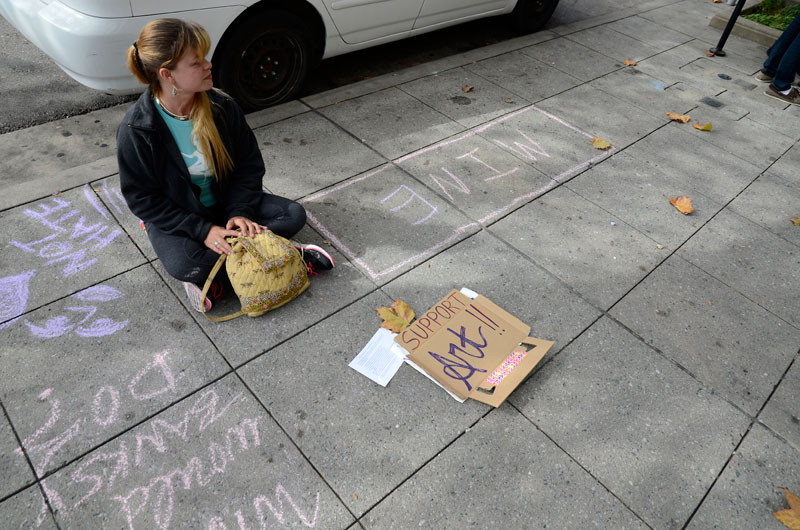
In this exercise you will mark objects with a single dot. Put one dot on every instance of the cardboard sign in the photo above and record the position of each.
(472, 347)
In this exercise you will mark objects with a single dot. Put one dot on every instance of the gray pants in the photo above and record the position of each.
(189, 260)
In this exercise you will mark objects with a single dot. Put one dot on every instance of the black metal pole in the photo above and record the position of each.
(736, 12)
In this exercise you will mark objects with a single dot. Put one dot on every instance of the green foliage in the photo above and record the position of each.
(774, 13)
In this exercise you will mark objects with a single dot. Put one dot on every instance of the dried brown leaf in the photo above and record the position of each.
(674, 116)
(791, 517)
(628, 62)
(709, 53)
(397, 317)
(599, 143)
(717, 1)
(682, 204)
(466, 89)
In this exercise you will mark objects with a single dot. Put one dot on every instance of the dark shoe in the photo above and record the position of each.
(762, 77)
(792, 97)
(315, 256)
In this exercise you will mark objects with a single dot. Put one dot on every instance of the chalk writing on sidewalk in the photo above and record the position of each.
(45, 443)
(522, 147)
(73, 237)
(63, 324)
(277, 511)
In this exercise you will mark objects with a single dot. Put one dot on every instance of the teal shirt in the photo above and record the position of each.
(201, 175)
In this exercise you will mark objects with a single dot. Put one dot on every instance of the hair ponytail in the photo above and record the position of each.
(161, 44)
(208, 138)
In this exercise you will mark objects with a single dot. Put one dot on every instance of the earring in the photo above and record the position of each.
(174, 91)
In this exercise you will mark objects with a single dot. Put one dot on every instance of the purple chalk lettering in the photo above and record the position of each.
(413, 195)
(91, 198)
(101, 327)
(55, 327)
(14, 295)
(28, 247)
(98, 293)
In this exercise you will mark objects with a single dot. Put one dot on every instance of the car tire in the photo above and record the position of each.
(265, 60)
(531, 15)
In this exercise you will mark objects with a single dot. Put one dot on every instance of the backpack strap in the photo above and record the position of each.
(207, 286)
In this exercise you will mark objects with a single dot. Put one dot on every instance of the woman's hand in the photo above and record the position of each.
(248, 227)
(215, 240)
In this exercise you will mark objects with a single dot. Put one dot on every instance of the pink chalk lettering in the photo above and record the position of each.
(14, 295)
(525, 151)
(217, 457)
(413, 195)
(278, 511)
(159, 363)
(55, 501)
(98, 293)
(51, 447)
(162, 502)
(459, 184)
(120, 460)
(91, 198)
(497, 173)
(158, 428)
(207, 402)
(110, 415)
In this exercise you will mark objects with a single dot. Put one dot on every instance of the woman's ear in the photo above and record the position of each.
(165, 75)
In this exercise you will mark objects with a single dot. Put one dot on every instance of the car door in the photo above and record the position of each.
(364, 20)
(443, 11)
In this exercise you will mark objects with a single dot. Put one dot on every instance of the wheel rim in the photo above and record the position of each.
(270, 67)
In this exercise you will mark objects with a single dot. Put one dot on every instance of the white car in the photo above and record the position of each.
(261, 50)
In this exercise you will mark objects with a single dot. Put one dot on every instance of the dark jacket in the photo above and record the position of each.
(155, 181)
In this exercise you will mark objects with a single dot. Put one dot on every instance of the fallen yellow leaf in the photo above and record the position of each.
(701, 127)
(709, 53)
(717, 1)
(791, 517)
(628, 62)
(674, 116)
(599, 143)
(796, 221)
(682, 204)
(396, 317)
(467, 89)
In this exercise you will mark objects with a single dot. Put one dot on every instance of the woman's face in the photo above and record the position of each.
(191, 74)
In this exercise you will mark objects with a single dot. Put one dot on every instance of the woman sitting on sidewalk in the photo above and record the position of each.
(189, 164)
(782, 62)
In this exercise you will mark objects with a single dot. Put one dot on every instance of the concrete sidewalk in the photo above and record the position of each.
(670, 398)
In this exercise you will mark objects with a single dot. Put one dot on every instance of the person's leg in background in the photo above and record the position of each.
(782, 64)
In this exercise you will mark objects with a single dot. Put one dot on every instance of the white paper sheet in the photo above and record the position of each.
(377, 360)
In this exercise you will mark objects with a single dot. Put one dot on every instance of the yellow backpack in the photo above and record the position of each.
(266, 271)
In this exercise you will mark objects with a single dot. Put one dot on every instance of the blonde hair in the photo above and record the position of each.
(161, 44)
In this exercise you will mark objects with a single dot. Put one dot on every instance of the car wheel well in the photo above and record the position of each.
(303, 10)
